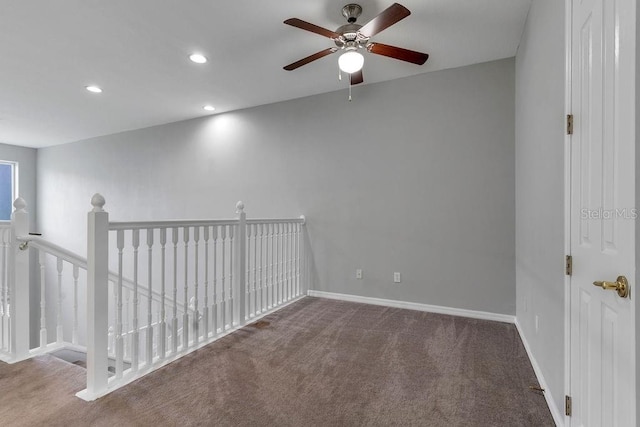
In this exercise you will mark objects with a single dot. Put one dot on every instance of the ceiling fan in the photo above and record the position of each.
(352, 37)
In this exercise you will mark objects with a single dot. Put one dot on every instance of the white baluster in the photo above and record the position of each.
(59, 328)
(285, 254)
(249, 287)
(119, 298)
(279, 262)
(74, 333)
(296, 264)
(149, 337)
(214, 308)
(110, 341)
(265, 267)
(174, 320)
(285, 261)
(254, 307)
(135, 337)
(192, 309)
(205, 309)
(290, 261)
(43, 301)
(162, 333)
(185, 317)
(127, 331)
(113, 302)
(4, 295)
(274, 283)
(294, 237)
(282, 284)
(302, 279)
(242, 279)
(231, 289)
(156, 334)
(196, 311)
(260, 305)
(264, 258)
(223, 303)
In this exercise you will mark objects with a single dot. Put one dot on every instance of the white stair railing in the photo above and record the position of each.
(193, 282)
(205, 279)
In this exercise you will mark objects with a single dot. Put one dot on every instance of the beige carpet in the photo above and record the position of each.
(314, 363)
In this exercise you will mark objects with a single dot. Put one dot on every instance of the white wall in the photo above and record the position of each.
(540, 188)
(415, 175)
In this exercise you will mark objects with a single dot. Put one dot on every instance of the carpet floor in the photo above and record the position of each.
(316, 362)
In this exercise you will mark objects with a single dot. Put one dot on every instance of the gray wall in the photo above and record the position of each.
(415, 175)
(540, 188)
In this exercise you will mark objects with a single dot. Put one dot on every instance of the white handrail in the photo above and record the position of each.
(142, 225)
(55, 250)
(300, 220)
(75, 259)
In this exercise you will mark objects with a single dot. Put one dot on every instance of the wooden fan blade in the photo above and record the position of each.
(304, 25)
(387, 18)
(356, 78)
(398, 53)
(310, 58)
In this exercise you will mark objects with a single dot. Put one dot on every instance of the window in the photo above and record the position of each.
(8, 188)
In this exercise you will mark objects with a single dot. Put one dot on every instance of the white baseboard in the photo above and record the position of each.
(555, 412)
(484, 315)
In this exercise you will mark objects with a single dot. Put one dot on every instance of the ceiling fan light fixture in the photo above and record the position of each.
(351, 61)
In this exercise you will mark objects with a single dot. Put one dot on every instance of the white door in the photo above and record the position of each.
(602, 215)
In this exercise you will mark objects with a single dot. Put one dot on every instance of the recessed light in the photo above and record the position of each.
(198, 58)
(209, 108)
(94, 89)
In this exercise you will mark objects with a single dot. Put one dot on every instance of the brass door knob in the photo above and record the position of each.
(621, 286)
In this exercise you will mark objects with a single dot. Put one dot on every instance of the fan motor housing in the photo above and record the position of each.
(349, 36)
(349, 33)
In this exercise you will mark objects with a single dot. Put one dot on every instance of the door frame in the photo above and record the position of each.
(567, 206)
(567, 215)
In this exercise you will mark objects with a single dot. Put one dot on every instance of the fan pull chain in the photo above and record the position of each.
(339, 74)
(349, 88)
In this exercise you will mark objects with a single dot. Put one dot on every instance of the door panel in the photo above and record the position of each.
(602, 332)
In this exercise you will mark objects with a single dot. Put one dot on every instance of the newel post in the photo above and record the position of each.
(242, 263)
(97, 296)
(20, 329)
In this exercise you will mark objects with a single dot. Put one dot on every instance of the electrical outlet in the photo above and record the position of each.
(359, 273)
(397, 278)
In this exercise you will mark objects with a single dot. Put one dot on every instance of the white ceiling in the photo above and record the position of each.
(137, 50)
